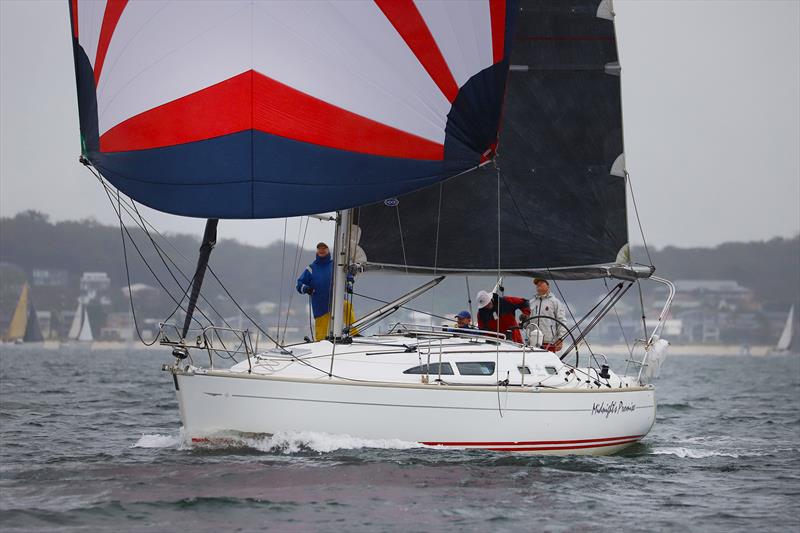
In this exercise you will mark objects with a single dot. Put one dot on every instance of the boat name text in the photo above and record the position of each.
(612, 408)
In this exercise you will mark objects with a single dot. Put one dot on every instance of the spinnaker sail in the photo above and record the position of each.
(242, 109)
(554, 204)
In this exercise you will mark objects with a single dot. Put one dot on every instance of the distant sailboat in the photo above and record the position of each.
(75, 328)
(33, 330)
(85, 334)
(785, 341)
(24, 326)
(81, 329)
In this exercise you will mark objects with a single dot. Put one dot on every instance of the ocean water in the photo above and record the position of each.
(90, 441)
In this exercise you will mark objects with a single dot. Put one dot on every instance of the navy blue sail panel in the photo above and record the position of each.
(289, 178)
(559, 179)
(315, 110)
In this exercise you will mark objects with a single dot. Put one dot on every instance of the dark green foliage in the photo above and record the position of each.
(29, 240)
(770, 268)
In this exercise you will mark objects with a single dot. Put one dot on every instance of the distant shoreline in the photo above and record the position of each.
(614, 350)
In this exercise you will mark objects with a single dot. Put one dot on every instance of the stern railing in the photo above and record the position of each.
(647, 344)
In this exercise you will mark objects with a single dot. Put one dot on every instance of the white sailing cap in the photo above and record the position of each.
(483, 298)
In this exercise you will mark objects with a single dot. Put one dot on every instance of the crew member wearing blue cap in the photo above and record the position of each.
(464, 320)
(463, 324)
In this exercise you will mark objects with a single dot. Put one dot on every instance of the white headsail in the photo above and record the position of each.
(785, 340)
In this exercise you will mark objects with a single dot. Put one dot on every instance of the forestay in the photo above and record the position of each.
(241, 109)
(559, 174)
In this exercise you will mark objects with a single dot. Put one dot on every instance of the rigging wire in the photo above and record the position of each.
(142, 224)
(179, 304)
(161, 255)
(497, 346)
(469, 294)
(436, 253)
(619, 321)
(130, 292)
(402, 241)
(141, 255)
(210, 270)
(572, 316)
(641, 304)
(280, 288)
(638, 220)
(297, 257)
(401, 306)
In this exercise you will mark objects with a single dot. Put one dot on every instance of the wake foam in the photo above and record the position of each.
(290, 442)
(689, 453)
(158, 441)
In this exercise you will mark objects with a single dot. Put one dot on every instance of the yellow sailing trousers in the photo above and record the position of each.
(321, 322)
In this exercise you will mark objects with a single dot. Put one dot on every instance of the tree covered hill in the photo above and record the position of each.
(30, 241)
(770, 268)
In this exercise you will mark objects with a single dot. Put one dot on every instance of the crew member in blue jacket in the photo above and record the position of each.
(316, 282)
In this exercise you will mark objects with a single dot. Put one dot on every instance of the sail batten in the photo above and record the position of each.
(231, 109)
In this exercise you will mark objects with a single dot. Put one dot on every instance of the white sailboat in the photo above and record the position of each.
(75, 326)
(80, 329)
(784, 344)
(388, 114)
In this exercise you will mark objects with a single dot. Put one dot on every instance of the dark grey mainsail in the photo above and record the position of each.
(558, 186)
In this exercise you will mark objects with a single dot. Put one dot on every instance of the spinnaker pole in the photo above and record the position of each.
(209, 240)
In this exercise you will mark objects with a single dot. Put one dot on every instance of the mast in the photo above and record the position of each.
(341, 257)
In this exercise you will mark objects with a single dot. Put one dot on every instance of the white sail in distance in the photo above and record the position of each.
(786, 336)
(86, 328)
(75, 328)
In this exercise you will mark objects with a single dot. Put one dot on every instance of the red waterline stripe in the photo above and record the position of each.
(530, 443)
(563, 447)
(626, 440)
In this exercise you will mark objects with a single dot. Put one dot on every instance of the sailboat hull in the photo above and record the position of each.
(213, 404)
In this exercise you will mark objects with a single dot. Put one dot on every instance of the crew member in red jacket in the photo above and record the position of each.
(490, 305)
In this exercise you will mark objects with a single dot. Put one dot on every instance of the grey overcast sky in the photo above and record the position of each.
(711, 99)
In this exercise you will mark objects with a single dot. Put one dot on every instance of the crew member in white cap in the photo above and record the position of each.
(492, 307)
